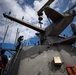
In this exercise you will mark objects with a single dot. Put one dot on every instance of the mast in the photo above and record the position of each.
(23, 23)
(47, 4)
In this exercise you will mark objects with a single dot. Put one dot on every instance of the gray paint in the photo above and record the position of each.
(29, 62)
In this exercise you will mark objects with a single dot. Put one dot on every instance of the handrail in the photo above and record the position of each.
(14, 60)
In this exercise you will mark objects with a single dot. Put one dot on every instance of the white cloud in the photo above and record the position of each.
(29, 13)
(20, 1)
(74, 1)
(17, 10)
(39, 4)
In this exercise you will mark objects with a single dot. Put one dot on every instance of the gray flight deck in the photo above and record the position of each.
(32, 62)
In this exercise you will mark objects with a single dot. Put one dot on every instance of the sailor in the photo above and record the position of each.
(73, 27)
(22, 17)
(74, 11)
(19, 42)
(3, 61)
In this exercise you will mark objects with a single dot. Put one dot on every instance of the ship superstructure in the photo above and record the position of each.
(53, 53)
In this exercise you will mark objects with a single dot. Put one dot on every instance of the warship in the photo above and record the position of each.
(54, 54)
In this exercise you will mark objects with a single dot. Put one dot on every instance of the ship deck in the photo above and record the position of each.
(32, 62)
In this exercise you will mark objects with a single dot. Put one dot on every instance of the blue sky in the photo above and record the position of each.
(28, 9)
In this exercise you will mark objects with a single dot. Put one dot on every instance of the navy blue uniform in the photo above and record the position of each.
(19, 42)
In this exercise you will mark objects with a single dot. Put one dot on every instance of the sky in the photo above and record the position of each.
(28, 9)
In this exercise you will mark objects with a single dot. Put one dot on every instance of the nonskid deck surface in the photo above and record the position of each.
(38, 60)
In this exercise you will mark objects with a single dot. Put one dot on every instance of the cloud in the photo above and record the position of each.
(29, 13)
(20, 1)
(62, 5)
(74, 1)
(19, 12)
(39, 4)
